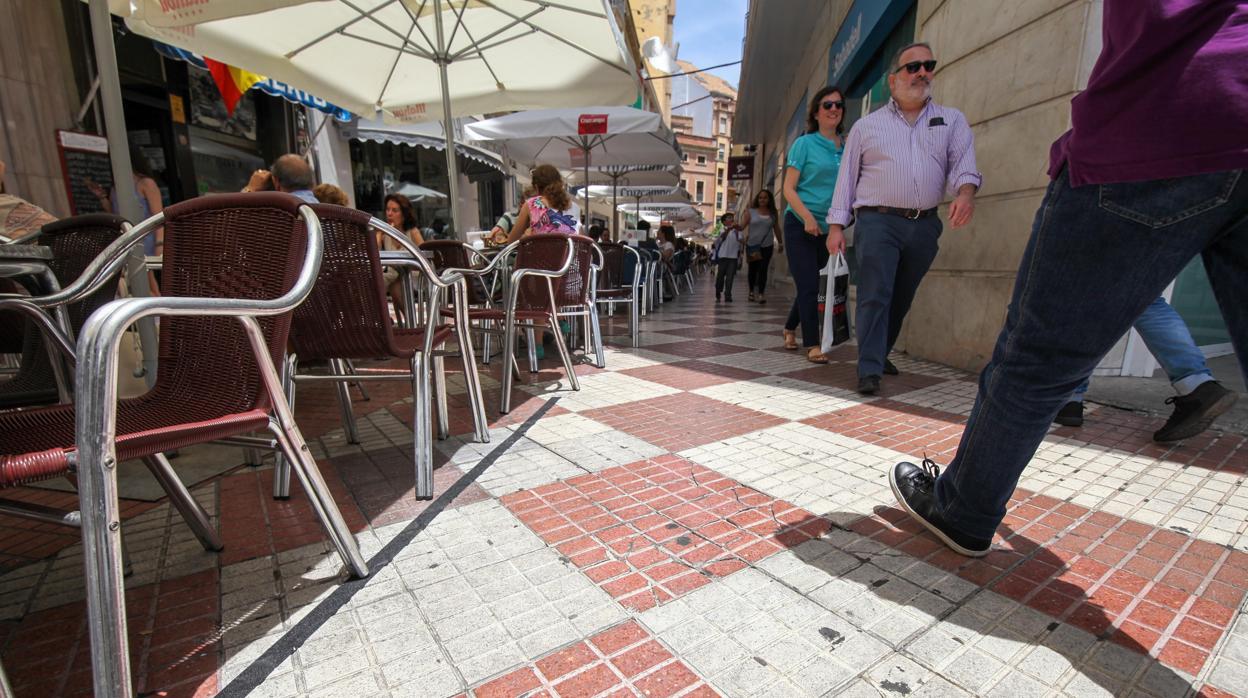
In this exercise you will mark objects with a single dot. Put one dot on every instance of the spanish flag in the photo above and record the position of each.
(232, 82)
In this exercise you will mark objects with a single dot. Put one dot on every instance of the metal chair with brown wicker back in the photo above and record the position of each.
(235, 266)
(453, 254)
(574, 295)
(75, 242)
(617, 283)
(541, 262)
(346, 317)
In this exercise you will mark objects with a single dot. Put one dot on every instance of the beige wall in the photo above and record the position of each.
(654, 18)
(1012, 71)
(37, 96)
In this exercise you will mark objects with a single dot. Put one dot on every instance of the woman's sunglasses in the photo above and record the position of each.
(839, 104)
(913, 67)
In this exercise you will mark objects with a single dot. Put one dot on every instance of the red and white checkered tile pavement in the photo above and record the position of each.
(708, 515)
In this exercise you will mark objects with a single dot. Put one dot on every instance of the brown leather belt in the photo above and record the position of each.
(910, 213)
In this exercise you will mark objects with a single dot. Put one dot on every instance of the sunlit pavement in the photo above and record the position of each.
(709, 515)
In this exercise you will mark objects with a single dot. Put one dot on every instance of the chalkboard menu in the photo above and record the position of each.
(85, 165)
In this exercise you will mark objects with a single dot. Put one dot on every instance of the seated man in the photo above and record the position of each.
(291, 174)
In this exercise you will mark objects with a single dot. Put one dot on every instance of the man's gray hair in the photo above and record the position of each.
(896, 62)
(293, 173)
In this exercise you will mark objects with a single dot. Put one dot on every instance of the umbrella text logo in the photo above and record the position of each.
(591, 124)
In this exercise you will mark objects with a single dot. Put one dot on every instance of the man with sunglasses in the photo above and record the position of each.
(899, 162)
(1137, 189)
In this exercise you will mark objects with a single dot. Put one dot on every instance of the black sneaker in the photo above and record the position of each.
(914, 487)
(1194, 412)
(1071, 414)
(889, 368)
(868, 385)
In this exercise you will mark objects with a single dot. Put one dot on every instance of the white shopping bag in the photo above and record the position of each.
(835, 305)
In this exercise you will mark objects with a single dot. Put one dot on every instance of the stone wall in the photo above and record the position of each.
(37, 96)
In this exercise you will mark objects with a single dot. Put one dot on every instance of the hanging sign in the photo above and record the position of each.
(740, 168)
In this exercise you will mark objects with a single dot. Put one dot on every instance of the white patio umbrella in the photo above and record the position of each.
(415, 192)
(616, 178)
(581, 138)
(403, 59)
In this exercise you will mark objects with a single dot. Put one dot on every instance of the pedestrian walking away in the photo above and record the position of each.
(899, 161)
(762, 237)
(1198, 400)
(809, 179)
(729, 251)
(1125, 211)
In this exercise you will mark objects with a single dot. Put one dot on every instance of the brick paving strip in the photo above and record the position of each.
(708, 516)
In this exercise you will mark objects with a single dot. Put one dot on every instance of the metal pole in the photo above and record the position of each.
(119, 152)
(585, 150)
(615, 205)
(448, 125)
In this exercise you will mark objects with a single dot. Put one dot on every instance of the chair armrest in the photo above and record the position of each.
(44, 322)
(416, 260)
(105, 265)
(487, 269)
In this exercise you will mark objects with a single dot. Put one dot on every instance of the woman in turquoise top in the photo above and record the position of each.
(809, 179)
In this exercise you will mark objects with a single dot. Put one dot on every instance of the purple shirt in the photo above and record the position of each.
(1168, 96)
(888, 162)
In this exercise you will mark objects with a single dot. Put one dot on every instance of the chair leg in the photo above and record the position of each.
(439, 389)
(563, 353)
(472, 380)
(104, 570)
(359, 385)
(485, 341)
(281, 466)
(252, 457)
(530, 337)
(296, 450)
(422, 425)
(338, 367)
(509, 357)
(634, 320)
(192, 513)
(594, 331)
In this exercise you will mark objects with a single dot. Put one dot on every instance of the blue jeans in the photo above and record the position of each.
(808, 255)
(893, 256)
(1167, 337)
(1097, 257)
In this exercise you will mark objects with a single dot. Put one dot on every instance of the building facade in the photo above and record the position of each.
(698, 165)
(708, 103)
(1012, 70)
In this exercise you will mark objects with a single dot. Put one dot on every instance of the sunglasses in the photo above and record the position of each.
(838, 103)
(913, 67)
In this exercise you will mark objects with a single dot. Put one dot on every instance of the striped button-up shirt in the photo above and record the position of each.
(888, 162)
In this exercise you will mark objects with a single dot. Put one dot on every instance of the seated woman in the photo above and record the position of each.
(399, 214)
(550, 211)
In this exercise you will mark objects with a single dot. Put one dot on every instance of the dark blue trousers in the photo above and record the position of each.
(893, 255)
(807, 255)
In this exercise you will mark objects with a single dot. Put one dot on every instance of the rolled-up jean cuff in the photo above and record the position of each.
(1185, 386)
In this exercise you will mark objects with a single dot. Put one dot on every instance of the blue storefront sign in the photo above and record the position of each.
(268, 86)
(865, 28)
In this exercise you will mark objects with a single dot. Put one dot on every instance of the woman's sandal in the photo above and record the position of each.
(790, 340)
(815, 356)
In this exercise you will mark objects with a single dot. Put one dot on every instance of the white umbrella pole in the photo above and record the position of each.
(448, 125)
(587, 190)
(119, 154)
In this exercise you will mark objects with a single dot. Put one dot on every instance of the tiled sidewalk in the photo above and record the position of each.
(709, 515)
